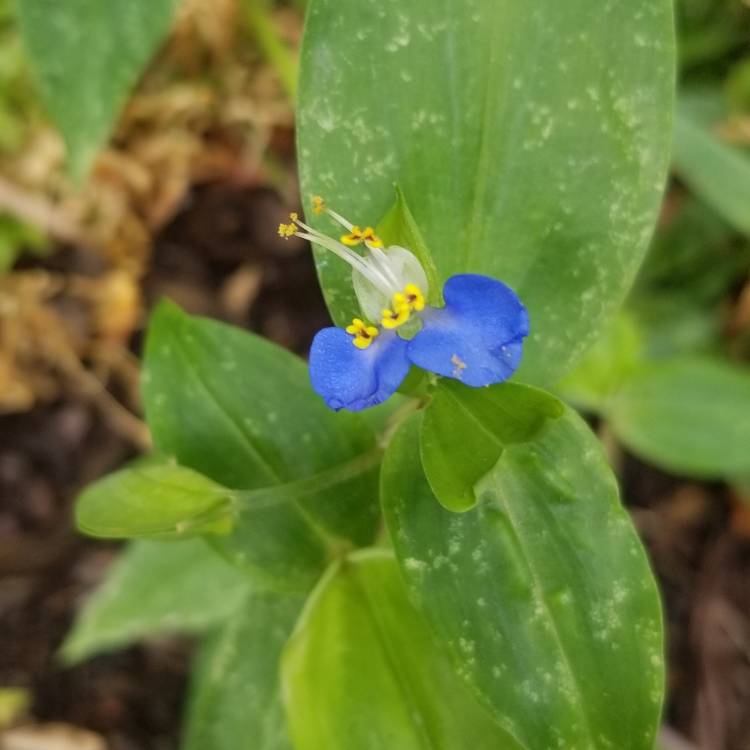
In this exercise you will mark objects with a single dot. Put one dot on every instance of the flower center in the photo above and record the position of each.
(405, 303)
(390, 283)
(396, 317)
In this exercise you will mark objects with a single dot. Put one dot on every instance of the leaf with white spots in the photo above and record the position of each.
(542, 592)
(363, 671)
(531, 140)
(465, 431)
(156, 588)
(241, 411)
(235, 697)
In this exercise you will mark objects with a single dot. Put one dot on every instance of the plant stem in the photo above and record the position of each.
(273, 48)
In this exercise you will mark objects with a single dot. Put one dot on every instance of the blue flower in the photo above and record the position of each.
(349, 377)
(476, 338)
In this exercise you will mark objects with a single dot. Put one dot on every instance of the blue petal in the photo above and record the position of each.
(354, 379)
(477, 337)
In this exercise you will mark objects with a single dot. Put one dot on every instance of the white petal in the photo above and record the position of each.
(406, 268)
(402, 268)
(371, 299)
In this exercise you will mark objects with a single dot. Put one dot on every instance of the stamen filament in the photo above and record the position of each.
(366, 269)
(382, 260)
(370, 272)
(339, 218)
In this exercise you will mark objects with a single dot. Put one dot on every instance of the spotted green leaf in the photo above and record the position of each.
(235, 697)
(241, 411)
(152, 589)
(286, 533)
(156, 501)
(531, 140)
(362, 670)
(465, 430)
(542, 592)
(87, 55)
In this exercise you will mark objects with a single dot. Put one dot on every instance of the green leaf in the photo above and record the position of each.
(287, 533)
(465, 431)
(687, 415)
(679, 297)
(716, 172)
(542, 592)
(531, 140)
(235, 695)
(362, 670)
(709, 31)
(241, 411)
(152, 589)
(87, 55)
(609, 363)
(157, 501)
(693, 248)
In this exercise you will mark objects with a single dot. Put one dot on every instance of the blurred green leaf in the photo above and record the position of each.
(531, 140)
(241, 411)
(362, 670)
(235, 697)
(258, 14)
(18, 105)
(716, 172)
(709, 30)
(542, 592)
(606, 366)
(679, 299)
(465, 431)
(155, 588)
(694, 254)
(87, 55)
(738, 86)
(688, 415)
(156, 501)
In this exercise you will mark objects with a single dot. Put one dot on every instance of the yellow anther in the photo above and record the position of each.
(358, 235)
(356, 326)
(396, 317)
(294, 216)
(412, 297)
(318, 205)
(353, 238)
(287, 230)
(363, 334)
(371, 238)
